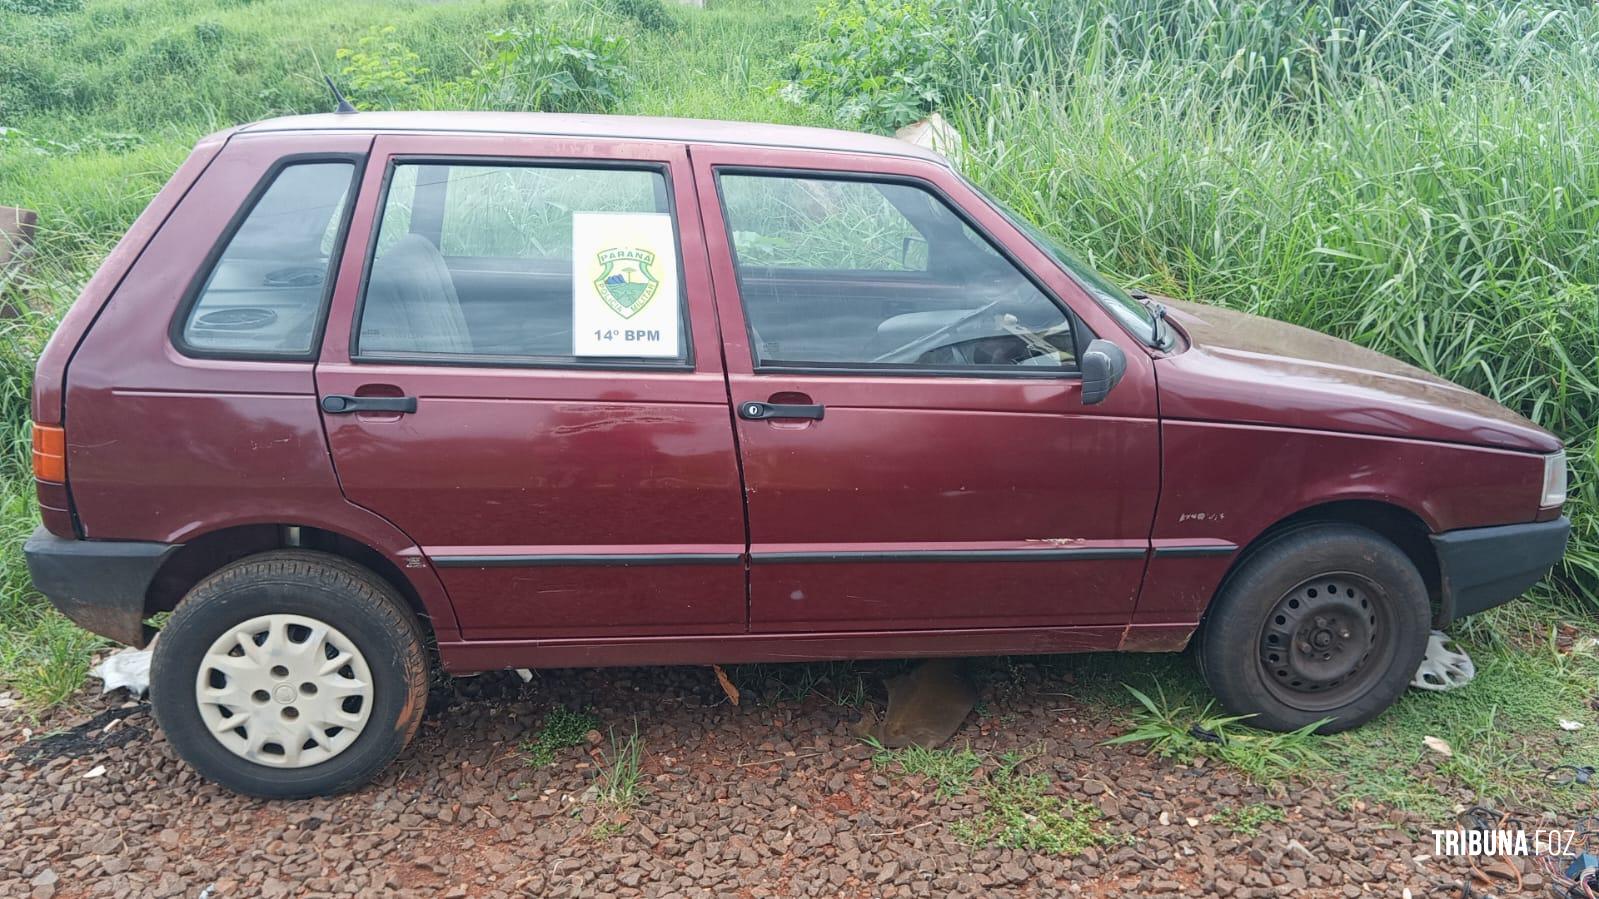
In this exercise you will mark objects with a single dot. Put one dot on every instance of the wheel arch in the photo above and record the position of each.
(201, 556)
(1400, 526)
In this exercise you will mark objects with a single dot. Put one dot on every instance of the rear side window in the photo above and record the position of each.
(264, 295)
(524, 264)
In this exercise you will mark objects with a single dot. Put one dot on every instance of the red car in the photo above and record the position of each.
(544, 391)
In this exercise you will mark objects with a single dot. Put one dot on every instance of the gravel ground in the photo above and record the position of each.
(769, 798)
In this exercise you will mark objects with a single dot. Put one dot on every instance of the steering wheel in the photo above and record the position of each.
(913, 350)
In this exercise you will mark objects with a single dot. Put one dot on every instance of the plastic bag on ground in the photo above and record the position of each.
(127, 668)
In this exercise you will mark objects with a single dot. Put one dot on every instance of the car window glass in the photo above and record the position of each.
(477, 260)
(837, 273)
(812, 223)
(266, 290)
(397, 207)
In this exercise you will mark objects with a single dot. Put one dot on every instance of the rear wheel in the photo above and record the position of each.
(290, 674)
(1328, 621)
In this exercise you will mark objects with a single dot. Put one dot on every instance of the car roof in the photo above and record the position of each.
(693, 131)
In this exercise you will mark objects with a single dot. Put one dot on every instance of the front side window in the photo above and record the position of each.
(524, 263)
(1116, 301)
(852, 273)
(266, 292)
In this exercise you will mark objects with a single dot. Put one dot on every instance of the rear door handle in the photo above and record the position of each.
(754, 411)
(341, 404)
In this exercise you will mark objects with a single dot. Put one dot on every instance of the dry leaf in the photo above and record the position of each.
(1439, 746)
(727, 685)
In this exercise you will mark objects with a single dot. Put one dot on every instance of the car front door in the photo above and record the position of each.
(903, 366)
(566, 479)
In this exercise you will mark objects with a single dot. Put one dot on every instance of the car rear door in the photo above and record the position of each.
(898, 478)
(563, 480)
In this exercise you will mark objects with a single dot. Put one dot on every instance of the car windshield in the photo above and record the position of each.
(1131, 313)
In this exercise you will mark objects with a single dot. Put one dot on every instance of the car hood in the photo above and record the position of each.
(1248, 369)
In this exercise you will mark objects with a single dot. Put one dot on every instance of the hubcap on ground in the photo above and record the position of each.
(1324, 641)
(284, 690)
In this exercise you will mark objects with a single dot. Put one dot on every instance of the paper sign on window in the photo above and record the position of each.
(624, 285)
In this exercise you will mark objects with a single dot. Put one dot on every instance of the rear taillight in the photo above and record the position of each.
(50, 453)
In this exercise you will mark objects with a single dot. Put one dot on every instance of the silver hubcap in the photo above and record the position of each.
(284, 690)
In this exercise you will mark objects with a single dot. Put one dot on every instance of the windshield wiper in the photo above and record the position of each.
(1161, 332)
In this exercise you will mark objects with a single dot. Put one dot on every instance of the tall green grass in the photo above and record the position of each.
(1457, 231)
(42, 655)
(1414, 176)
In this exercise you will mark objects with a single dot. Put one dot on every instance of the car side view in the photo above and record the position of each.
(359, 392)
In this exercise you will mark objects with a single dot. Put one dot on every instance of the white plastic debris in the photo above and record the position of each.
(526, 674)
(934, 133)
(1444, 667)
(1567, 724)
(127, 668)
(1438, 745)
(96, 771)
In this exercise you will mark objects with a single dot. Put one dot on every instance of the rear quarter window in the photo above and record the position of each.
(265, 292)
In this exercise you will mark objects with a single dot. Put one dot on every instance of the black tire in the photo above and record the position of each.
(356, 602)
(1325, 621)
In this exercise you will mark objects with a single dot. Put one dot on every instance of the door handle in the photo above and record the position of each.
(755, 411)
(340, 404)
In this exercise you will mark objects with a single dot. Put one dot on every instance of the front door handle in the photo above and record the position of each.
(753, 411)
(341, 404)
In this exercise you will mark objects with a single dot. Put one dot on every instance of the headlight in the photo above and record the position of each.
(1554, 480)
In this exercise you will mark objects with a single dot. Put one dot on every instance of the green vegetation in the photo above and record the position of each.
(840, 683)
(1503, 729)
(1408, 175)
(562, 729)
(1023, 811)
(1172, 731)
(878, 65)
(1246, 819)
(1018, 810)
(950, 769)
(618, 786)
(43, 656)
(101, 100)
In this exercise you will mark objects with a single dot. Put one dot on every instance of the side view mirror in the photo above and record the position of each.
(1103, 365)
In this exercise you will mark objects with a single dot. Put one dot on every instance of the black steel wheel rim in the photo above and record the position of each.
(1326, 641)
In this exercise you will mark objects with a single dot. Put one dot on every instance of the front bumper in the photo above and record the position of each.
(1485, 567)
(99, 584)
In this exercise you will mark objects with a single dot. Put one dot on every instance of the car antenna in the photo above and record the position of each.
(343, 107)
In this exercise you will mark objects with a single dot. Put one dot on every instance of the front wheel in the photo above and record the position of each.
(1326, 622)
(290, 674)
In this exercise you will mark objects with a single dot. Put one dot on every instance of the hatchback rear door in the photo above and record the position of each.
(565, 479)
